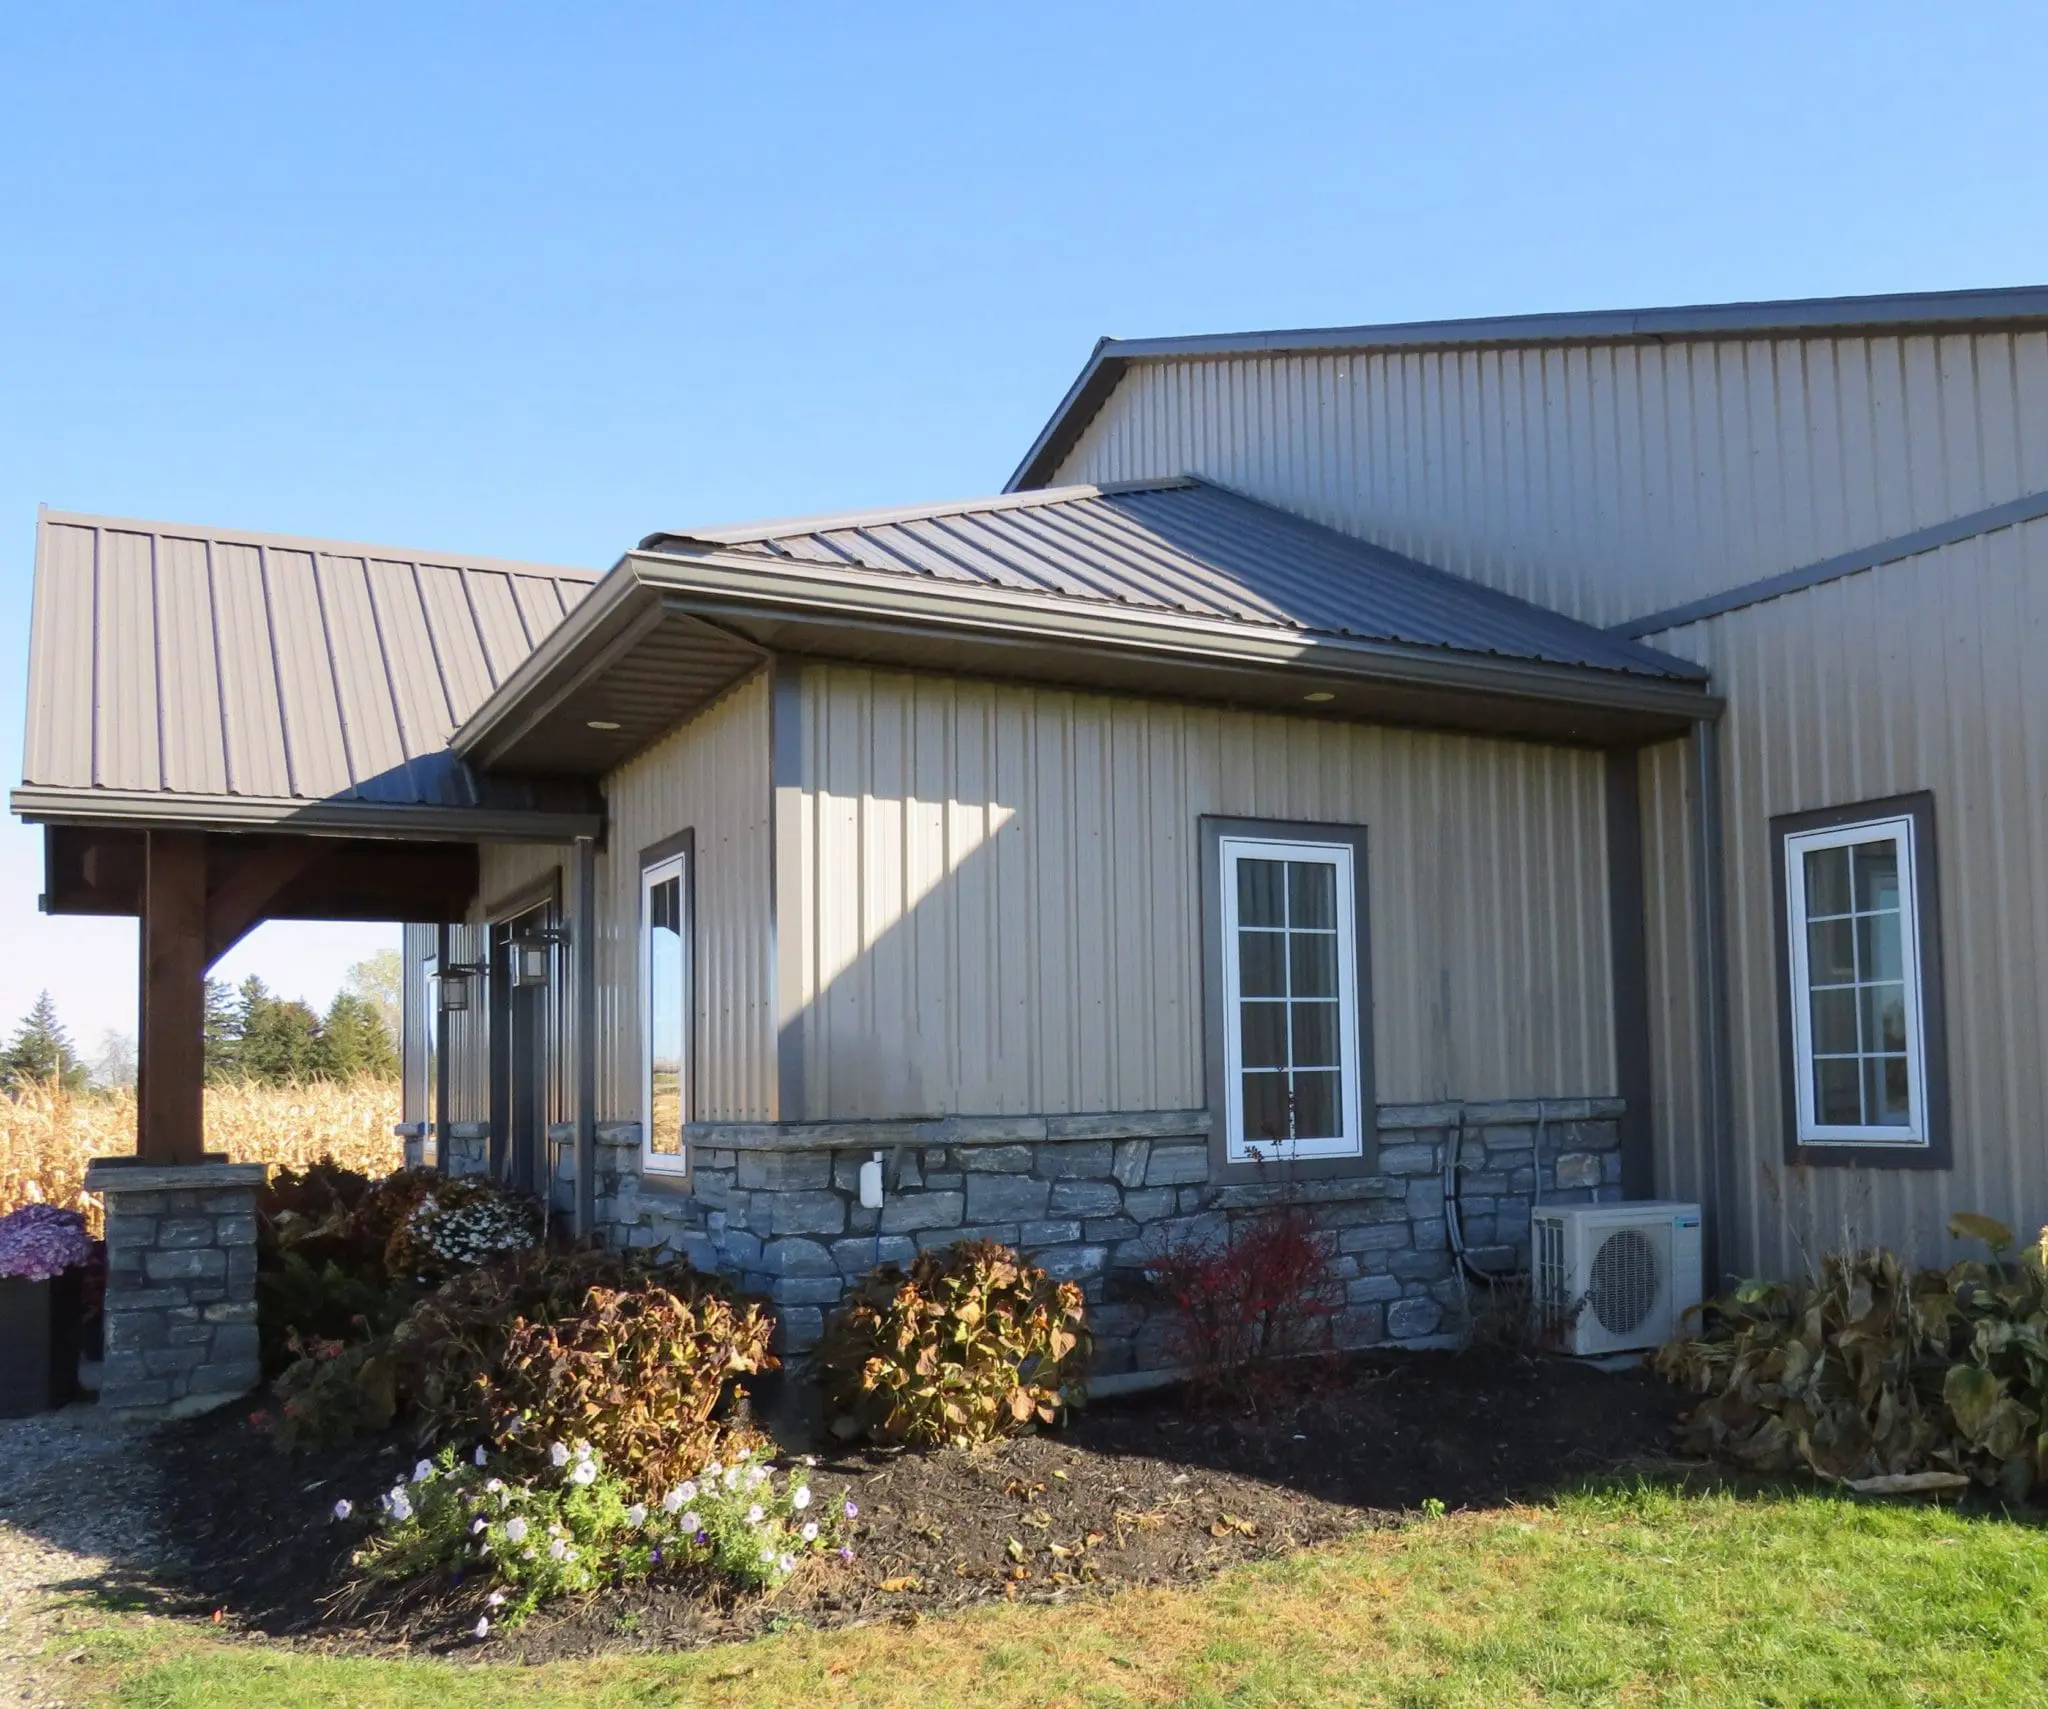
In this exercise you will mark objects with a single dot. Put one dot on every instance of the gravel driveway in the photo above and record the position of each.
(74, 1516)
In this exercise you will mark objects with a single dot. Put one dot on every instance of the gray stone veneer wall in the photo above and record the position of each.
(1094, 1199)
(469, 1148)
(181, 1283)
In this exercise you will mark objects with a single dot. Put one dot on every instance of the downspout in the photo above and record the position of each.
(583, 946)
(1710, 929)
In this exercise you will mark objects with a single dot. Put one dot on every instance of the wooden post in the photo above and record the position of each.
(170, 1124)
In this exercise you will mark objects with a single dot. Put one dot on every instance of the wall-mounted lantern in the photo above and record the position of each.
(533, 956)
(455, 980)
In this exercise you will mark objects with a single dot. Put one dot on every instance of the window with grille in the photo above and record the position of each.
(1290, 1000)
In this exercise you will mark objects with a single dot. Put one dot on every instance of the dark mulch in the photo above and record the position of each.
(1158, 1489)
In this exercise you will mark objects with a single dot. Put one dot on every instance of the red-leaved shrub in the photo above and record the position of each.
(1267, 1292)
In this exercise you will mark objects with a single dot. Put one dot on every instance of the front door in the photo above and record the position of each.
(522, 966)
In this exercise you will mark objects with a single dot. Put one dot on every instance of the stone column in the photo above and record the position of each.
(181, 1283)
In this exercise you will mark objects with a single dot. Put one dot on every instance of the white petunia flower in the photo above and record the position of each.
(755, 1515)
(558, 1550)
(495, 1487)
(515, 1529)
(712, 1470)
(800, 1497)
(481, 1457)
(342, 1509)
(787, 1563)
(636, 1515)
(691, 1523)
(768, 1556)
(476, 1526)
(810, 1531)
(756, 1477)
(676, 1497)
(585, 1472)
(688, 1493)
(558, 1456)
(582, 1450)
(423, 1471)
(398, 1504)
(732, 1477)
(495, 1600)
(482, 1629)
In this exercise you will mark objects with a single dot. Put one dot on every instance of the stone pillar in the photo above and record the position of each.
(181, 1283)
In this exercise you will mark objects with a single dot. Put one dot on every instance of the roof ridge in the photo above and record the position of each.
(782, 527)
(47, 518)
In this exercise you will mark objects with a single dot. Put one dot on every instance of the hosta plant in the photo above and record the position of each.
(1870, 1370)
(574, 1526)
(969, 1344)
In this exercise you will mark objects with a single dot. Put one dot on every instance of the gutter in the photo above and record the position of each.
(145, 810)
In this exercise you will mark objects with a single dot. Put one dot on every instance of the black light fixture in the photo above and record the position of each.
(454, 979)
(533, 959)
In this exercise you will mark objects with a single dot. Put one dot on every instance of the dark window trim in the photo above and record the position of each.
(683, 843)
(1223, 1170)
(1937, 1153)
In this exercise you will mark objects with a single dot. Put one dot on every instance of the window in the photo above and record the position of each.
(427, 1053)
(665, 1009)
(1857, 935)
(1288, 917)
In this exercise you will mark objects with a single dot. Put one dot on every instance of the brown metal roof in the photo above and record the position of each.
(248, 679)
(1190, 547)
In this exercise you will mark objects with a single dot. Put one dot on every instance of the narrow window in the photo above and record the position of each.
(427, 1054)
(1856, 893)
(665, 1010)
(1293, 1081)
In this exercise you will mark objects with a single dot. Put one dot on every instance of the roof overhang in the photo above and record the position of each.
(146, 810)
(1904, 312)
(742, 608)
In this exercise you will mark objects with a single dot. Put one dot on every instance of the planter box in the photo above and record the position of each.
(39, 1344)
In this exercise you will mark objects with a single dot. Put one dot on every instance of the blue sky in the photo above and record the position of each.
(536, 281)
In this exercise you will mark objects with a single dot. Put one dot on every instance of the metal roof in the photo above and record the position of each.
(1190, 547)
(219, 676)
(1914, 311)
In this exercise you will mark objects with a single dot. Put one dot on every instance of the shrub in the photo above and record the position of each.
(644, 1362)
(970, 1344)
(1870, 1371)
(576, 1525)
(38, 1242)
(456, 1225)
(1266, 1293)
(334, 1390)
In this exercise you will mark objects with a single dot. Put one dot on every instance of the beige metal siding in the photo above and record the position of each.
(1924, 674)
(999, 897)
(1607, 481)
(416, 944)
(709, 776)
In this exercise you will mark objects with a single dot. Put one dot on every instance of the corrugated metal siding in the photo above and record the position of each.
(214, 663)
(1000, 897)
(709, 776)
(416, 943)
(1607, 481)
(1924, 674)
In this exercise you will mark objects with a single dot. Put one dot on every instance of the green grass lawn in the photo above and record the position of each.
(1649, 1596)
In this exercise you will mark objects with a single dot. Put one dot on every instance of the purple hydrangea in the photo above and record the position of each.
(41, 1241)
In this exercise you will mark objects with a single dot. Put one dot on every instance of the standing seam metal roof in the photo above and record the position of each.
(1192, 547)
(187, 661)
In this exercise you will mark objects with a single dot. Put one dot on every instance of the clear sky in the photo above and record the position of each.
(536, 281)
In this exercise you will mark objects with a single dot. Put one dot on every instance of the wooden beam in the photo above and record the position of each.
(248, 881)
(170, 1118)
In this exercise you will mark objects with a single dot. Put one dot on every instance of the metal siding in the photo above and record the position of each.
(416, 943)
(1923, 674)
(252, 713)
(59, 732)
(126, 749)
(1603, 481)
(194, 757)
(1000, 890)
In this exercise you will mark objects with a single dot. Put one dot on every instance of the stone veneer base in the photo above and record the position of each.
(1094, 1199)
(181, 1284)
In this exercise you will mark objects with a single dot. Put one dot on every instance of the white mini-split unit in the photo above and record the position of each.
(1614, 1278)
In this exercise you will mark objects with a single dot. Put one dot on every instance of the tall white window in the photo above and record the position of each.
(665, 1011)
(1853, 937)
(427, 1054)
(1290, 1000)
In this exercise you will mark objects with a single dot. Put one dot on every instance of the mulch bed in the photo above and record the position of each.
(1155, 1489)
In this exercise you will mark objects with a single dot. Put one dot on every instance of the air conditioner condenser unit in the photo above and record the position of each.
(1614, 1278)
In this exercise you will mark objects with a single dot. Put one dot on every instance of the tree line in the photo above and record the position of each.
(251, 1034)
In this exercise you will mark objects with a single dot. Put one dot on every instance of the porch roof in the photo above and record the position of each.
(1172, 587)
(220, 679)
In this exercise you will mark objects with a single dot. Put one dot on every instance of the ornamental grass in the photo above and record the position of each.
(48, 1136)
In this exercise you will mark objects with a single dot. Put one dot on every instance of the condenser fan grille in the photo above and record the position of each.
(1624, 1281)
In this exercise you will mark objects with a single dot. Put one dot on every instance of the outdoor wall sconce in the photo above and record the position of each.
(454, 980)
(533, 957)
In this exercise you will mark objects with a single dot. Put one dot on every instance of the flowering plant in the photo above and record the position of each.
(41, 1241)
(460, 1224)
(575, 1526)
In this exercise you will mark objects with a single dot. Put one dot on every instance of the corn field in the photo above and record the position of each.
(48, 1136)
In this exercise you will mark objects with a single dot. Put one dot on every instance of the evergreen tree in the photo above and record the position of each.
(280, 1038)
(354, 1044)
(40, 1052)
(223, 1031)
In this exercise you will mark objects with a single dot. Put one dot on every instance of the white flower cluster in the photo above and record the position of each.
(473, 1233)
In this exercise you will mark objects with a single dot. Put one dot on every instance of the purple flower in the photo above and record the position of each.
(852, 1512)
(41, 1241)
(845, 1554)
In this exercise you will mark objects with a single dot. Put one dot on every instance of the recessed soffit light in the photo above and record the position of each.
(1320, 694)
(603, 724)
